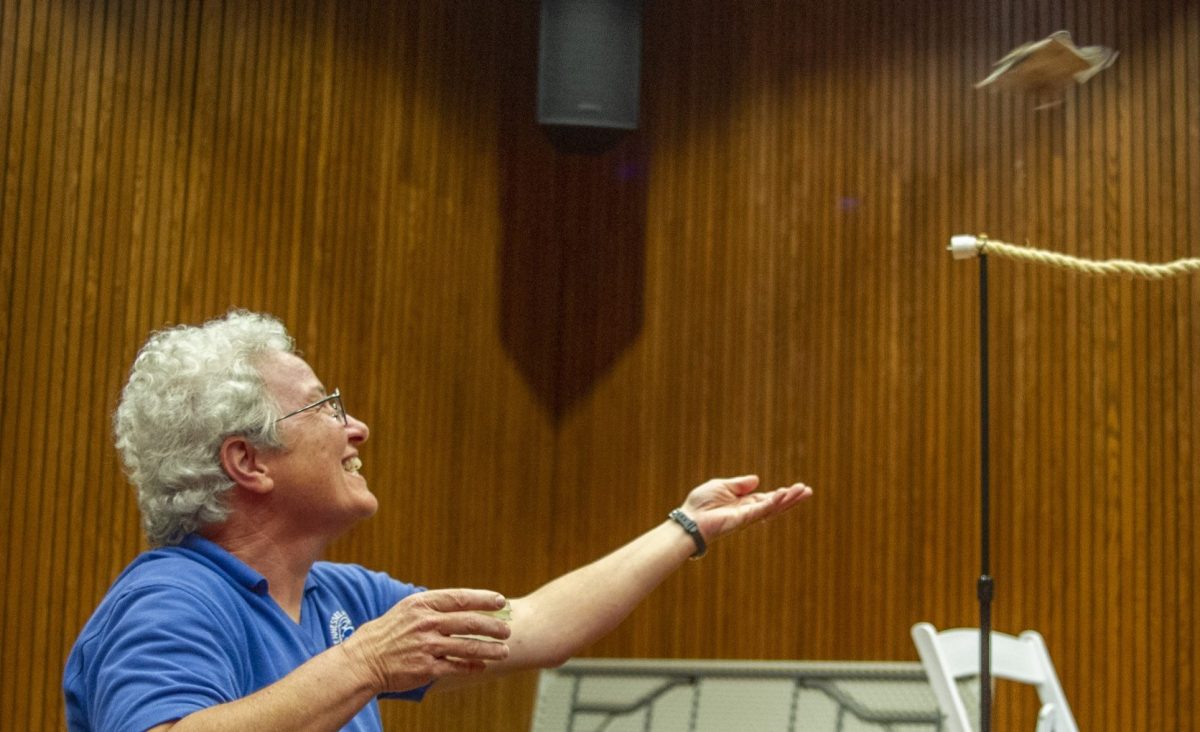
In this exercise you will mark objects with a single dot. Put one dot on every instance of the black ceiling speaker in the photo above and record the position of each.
(589, 71)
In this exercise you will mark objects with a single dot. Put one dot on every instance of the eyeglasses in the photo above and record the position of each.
(335, 402)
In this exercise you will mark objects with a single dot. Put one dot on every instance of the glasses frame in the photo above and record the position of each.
(338, 407)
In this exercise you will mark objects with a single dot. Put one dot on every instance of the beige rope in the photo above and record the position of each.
(1102, 268)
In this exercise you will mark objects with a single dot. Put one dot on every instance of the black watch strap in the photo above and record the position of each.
(681, 518)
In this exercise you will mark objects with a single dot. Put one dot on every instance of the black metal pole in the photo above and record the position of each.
(985, 587)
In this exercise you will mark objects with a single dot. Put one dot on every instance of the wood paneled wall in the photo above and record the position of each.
(550, 349)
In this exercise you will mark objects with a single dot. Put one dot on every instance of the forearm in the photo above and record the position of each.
(324, 693)
(570, 613)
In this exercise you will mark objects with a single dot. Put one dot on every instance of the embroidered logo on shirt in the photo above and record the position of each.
(340, 627)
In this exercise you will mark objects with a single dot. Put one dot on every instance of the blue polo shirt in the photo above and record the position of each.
(190, 626)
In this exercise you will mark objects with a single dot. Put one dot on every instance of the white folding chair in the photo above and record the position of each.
(952, 655)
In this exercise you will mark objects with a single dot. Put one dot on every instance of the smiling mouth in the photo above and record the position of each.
(352, 465)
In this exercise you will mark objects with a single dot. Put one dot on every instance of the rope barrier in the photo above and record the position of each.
(966, 245)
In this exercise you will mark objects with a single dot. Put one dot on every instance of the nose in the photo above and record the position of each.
(359, 431)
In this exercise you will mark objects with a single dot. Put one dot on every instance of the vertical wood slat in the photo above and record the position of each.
(1186, 60)
(341, 164)
(24, 302)
(47, 645)
(75, 572)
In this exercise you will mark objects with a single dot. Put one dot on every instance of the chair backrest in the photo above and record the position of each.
(951, 655)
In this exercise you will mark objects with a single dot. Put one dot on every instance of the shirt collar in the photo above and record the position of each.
(237, 570)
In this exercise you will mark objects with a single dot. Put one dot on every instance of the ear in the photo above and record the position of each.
(243, 463)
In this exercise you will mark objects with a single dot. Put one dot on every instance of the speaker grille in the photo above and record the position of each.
(589, 63)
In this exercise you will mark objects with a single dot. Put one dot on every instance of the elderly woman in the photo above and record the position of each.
(246, 467)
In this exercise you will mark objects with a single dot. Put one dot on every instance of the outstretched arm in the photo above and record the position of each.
(569, 613)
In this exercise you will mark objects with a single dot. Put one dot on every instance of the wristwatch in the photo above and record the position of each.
(681, 518)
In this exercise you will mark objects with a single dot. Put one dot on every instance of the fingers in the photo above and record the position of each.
(432, 634)
(469, 648)
(793, 494)
(720, 491)
(742, 484)
(450, 666)
(743, 490)
(474, 625)
(461, 612)
(782, 498)
(464, 641)
(446, 601)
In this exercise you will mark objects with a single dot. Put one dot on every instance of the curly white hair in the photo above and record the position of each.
(191, 387)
